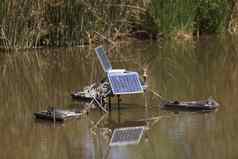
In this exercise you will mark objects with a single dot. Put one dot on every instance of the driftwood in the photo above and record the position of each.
(202, 105)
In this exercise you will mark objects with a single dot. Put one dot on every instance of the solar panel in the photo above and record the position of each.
(125, 83)
(125, 136)
(104, 61)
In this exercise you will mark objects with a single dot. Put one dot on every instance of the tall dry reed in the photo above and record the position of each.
(26, 24)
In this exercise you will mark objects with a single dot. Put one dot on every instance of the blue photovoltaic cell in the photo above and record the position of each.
(101, 54)
(125, 83)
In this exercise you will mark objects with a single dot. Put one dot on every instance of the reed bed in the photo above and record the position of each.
(30, 24)
(27, 24)
(192, 16)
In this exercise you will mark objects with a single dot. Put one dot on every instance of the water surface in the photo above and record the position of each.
(32, 80)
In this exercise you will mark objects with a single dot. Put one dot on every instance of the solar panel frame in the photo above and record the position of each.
(128, 84)
(104, 61)
(122, 141)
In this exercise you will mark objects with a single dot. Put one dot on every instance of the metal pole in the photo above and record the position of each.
(54, 115)
(109, 103)
(99, 104)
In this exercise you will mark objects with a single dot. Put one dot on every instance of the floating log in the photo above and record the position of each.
(56, 114)
(202, 105)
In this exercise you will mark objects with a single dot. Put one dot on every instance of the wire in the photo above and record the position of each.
(156, 94)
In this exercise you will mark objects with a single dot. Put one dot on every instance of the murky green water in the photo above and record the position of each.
(33, 80)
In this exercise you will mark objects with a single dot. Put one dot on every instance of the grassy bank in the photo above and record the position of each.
(27, 24)
(193, 16)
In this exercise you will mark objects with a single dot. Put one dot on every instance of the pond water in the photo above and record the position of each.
(32, 80)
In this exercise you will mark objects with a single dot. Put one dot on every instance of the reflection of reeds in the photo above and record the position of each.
(205, 68)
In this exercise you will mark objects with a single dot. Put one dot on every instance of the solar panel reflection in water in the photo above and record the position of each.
(125, 136)
(125, 83)
(104, 61)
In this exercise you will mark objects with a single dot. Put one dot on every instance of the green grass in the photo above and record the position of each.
(202, 16)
